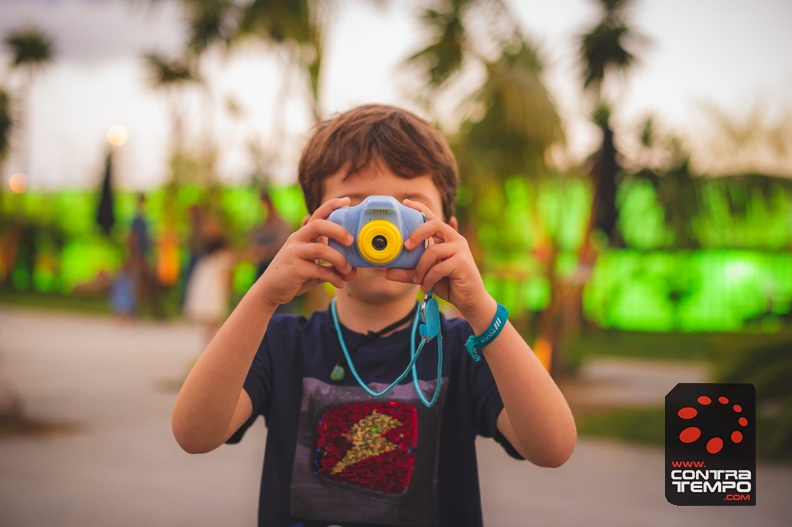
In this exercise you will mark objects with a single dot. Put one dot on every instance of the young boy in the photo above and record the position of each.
(336, 455)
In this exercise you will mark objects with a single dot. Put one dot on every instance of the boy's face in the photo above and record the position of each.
(377, 179)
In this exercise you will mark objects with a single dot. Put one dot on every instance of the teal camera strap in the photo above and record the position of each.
(427, 312)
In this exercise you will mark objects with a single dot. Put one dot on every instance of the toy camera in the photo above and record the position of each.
(380, 224)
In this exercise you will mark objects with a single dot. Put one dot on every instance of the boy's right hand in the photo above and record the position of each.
(295, 269)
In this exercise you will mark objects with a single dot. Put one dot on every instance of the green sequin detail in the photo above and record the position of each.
(338, 373)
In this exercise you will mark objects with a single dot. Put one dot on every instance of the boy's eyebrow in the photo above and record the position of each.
(414, 196)
(417, 196)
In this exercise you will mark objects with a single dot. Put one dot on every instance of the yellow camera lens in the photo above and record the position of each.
(379, 242)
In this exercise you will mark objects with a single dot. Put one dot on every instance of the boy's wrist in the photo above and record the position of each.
(263, 297)
(480, 317)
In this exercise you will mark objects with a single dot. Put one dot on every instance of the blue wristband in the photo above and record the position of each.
(475, 344)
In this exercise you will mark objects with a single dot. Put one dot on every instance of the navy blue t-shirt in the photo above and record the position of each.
(336, 455)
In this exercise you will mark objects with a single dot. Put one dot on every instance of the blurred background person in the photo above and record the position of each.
(195, 243)
(140, 261)
(209, 287)
(268, 237)
(122, 293)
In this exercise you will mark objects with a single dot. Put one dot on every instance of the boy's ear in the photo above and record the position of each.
(454, 223)
(304, 221)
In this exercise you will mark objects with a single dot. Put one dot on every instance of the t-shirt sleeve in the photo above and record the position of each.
(258, 387)
(486, 400)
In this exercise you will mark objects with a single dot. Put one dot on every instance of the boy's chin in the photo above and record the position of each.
(371, 285)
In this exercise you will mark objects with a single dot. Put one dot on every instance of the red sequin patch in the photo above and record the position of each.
(369, 445)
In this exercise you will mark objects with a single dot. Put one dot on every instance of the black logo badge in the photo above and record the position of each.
(710, 444)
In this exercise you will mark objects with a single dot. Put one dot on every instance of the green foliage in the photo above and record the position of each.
(280, 22)
(638, 425)
(6, 125)
(207, 22)
(59, 247)
(57, 302)
(29, 47)
(670, 346)
(648, 286)
(768, 366)
(689, 291)
(462, 32)
(749, 211)
(609, 45)
(165, 73)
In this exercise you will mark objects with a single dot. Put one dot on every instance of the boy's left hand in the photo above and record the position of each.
(446, 268)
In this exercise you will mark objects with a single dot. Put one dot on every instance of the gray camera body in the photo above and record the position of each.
(379, 224)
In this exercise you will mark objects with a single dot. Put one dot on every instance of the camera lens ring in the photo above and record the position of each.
(365, 238)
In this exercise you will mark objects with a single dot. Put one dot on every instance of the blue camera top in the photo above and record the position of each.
(380, 224)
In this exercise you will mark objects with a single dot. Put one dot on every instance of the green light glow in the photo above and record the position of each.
(741, 275)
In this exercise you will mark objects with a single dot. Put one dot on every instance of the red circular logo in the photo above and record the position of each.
(693, 433)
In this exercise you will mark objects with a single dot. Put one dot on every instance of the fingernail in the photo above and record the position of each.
(349, 239)
(415, 279)
(408, 243)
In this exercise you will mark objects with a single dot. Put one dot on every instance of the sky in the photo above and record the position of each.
(733, 54)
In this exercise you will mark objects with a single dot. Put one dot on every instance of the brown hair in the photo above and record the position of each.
(408, 145)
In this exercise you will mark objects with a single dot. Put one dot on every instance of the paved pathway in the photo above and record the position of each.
(116, 463)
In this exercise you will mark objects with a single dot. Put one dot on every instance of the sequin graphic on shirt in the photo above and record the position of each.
(366, 460)
(368, 444)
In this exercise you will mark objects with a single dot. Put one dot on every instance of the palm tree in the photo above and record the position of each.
(608, 47)
(508, 124)
(172, 77)
(292, 30)
(10, 402)
(6, 127)
(295, 32)
(31, 49)
(510, 117)
(604, 50)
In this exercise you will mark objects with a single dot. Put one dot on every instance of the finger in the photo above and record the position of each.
(417, 205)
(433, 255)
(352, 275)
(437, 273)
(329, 206)
(431, 229)
(319, 251)
(401, 275)
(315, 229)
(324, 274)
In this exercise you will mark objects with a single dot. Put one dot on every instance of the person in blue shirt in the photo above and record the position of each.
(140, 261)
(337, 452)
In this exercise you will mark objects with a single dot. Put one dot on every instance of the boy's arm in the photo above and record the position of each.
(212, 403)
(536, 418)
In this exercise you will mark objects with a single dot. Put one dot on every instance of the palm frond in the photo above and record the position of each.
(30, 47)
(6, 124)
